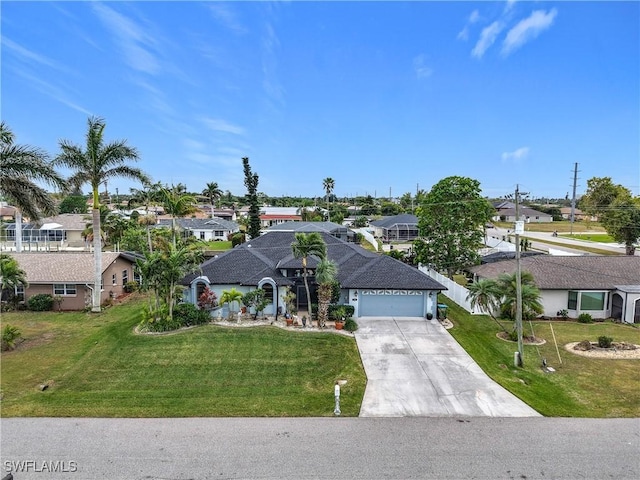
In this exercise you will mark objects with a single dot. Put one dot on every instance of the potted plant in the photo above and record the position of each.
(339, 314)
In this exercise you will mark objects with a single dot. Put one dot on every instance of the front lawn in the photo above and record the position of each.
(580, 386)
(97, 366)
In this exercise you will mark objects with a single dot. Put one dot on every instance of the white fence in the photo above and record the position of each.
(455, 292)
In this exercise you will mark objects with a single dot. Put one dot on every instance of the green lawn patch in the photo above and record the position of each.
(580, 387)
(591, 237)
(97, 366)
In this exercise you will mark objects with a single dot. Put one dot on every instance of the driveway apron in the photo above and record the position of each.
(415, 367)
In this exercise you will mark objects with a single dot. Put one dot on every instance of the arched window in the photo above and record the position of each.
(268, 292)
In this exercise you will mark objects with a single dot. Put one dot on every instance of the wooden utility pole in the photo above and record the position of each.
(573, 197)
(519, 226)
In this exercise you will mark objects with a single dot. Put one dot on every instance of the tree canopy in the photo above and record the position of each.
(616, 208)
(450, 221)
(251, 182)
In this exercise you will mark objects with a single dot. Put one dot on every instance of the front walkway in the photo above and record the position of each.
(415, 368)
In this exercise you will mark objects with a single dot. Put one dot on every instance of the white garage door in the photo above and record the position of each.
(391, 303)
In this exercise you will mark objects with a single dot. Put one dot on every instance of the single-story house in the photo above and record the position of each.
(59, 232)
(577, 214)
(333, 229)
(396, 228)
(71, 276)
(604, 286)
(270, 216)
(375, 284)
(528, 215)
(207, 229)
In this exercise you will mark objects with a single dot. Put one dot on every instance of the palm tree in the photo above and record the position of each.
(230, 297)
(97, 163)
(147, 195)
(305, 245)
(213, 193)
(326, 272)
(20, 167)
(486, 294)
(328, 184)
(177, 204)
(11, 275)
(530, 295)
(175, 264)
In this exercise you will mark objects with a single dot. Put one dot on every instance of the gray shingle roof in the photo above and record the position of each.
(328, 227)
(61, 267)
(403, 219)
(589, 272)
(357, 268)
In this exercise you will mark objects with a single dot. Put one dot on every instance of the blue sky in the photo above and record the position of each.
(380, 96)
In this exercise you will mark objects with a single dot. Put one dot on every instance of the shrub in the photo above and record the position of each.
(604, 341)
(42, 302)
(208, 300)
(585, 318)
(564, 314)
(513, 335)
(339, 311)
(187, 314)
(130, 287)
(10, 336)
(350, 325)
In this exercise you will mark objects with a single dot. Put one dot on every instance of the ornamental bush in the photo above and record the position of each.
(42, 302)
(604, 341)
(187, 314)
(585, 318)
(350, 325)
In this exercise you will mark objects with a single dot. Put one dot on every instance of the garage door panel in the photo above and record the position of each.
(397, 303)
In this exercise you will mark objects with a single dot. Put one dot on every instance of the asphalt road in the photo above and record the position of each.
(322, 448)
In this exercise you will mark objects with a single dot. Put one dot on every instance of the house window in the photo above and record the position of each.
(201, 235)
(219, 233)
(592, 301)
(268, 292)
(573, 300)
(20, 293)
(137, 278)
(64, 289)
(114, 279)
(125, 277)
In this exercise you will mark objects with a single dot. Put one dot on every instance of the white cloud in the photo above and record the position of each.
(220, 125)
(227, 17)
(134, 41)
(420, 67)
(473, 18)
(487, 38)
(29, 56)
(528, 29)
(516, 156)
(509, 5)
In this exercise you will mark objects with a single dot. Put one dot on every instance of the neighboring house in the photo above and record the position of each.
(528, 215)
(577, 214)
(270, 216)
(604, 286)
(60, 232)
(206, 229)
(333, 229)
(7, 213)
(376, 285)
(397, 228)
(71, 276)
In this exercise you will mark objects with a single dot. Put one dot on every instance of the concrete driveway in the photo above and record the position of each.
(415, 368)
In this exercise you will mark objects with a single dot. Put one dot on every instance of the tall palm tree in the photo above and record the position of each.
(177, 204)
(213, 193)
(486, 294)
(95, 164)
(148, 195)
(304, 246)
(328, 184)
(326, 272)
(20, 167)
